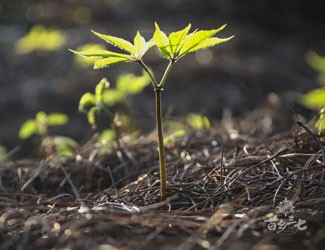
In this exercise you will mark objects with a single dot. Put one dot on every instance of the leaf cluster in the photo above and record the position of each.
(172, 47)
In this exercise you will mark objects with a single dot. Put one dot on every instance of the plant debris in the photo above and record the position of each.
(223, 188)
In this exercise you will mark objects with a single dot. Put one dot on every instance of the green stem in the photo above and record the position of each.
(163, 79)
(159, 124)
(162, 161)
(152, 78)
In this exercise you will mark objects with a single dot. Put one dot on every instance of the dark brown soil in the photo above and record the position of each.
(223, 186)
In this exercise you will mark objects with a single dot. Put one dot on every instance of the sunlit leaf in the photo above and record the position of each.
(113, 96)
(27, 129)
(64, 146)
(107, 136)
(40, 38)
(84, 61)
(102, 63)
(315, 60)
(174, 135)
(119, 42)
(314, 99)
(55, 119)
(101, 86)
(100, 53)
(198, 121)
(86, 100)
(162, 42)
(139, 43)
(176, 39)
(194, 39)
(132, 84)
(91, 115)
(209, 43)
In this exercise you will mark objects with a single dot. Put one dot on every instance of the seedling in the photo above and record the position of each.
(315, 99)
(172, 48)
(39, 126)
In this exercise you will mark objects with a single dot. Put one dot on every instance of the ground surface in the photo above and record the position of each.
(224, 185)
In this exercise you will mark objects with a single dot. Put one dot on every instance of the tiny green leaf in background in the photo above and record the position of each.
(27, 129)
(315, 99)
(40, 38)
(40, 124)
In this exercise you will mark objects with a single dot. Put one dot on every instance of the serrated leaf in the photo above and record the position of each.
(113, 96)
(102, 63)
(162, 42)
(176, 39)
(99, 53)
(101, 86)
(86, 100)
(55, 119)
(314, 99)
(139, 44)
(194, 39)
(27, 129)
(209, 43)
(91, 115)
(116, 41)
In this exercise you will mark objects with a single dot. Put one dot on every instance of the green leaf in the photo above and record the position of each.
(55, 119)
(162, 42)
(175, 134)
(113, 96)
(139, 44)
(86, 100)
(131, 84)
(101, 86)
(91, 115)
(198, 121)
(116, 41)
(64, 146)
(102, 63)
(107, 136)
(315, 60)
(27, 129)
(100, 53)
(197, 37)
(83, 61)
(41, 122)
(314, 99)
(209, 43)
(176, 39)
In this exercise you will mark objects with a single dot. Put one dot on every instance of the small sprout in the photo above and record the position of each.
(40, 38)
(60, 145)
(40, 124)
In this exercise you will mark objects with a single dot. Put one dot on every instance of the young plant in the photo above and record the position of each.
(39, 126)
(93, 104)
(315, 99)
(172, 48)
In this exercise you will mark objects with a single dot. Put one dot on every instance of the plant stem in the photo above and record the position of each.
(159, 124)
(162, 161)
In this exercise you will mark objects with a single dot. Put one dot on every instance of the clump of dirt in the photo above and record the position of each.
(225, 189)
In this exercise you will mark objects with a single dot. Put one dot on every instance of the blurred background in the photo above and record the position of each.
(266, 56)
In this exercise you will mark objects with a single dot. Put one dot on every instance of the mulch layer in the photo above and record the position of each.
(225, 191)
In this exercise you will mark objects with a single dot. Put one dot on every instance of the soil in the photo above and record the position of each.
(254, 180)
